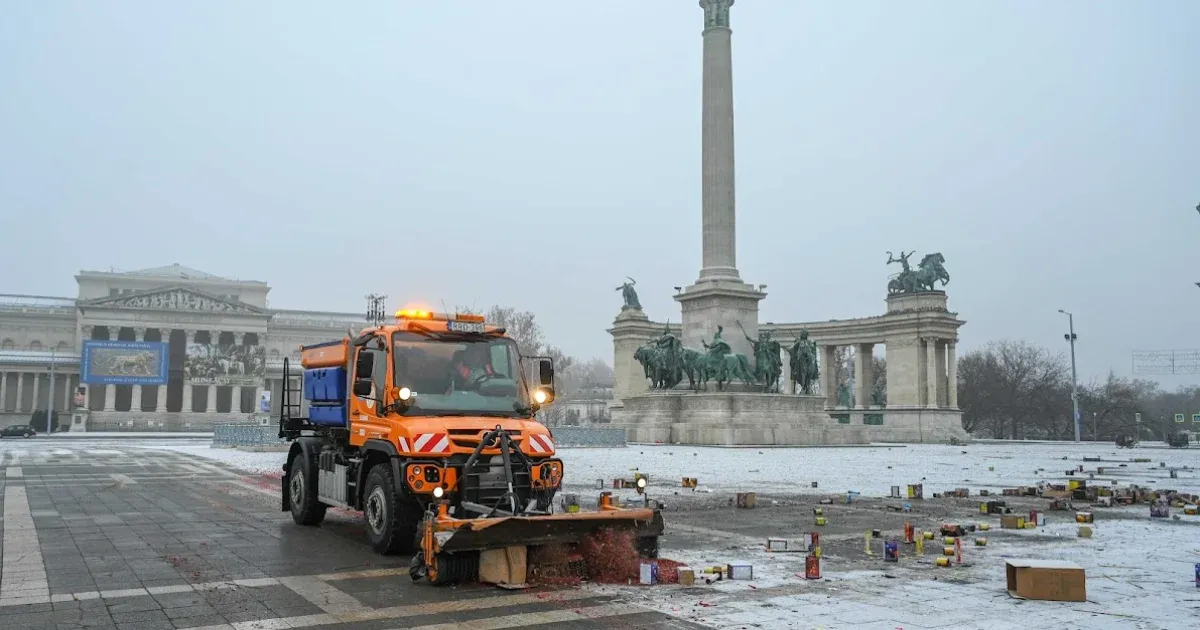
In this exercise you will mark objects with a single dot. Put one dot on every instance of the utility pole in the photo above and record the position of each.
(1095, 438)
(1074, 379)
(376, 307)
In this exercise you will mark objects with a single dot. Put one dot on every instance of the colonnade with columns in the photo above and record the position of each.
(922, 372)
(191, 398)
(26, 388)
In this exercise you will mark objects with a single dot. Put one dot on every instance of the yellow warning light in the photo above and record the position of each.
(412, 313)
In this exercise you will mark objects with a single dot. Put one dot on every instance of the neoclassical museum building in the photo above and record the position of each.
(192, 347)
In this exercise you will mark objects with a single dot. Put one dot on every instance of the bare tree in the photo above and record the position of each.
(1013, 389)
(522, 326)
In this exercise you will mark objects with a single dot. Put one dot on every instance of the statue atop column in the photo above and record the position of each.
(629, 294)
(924, 278)
(803, 358)
(716, 12)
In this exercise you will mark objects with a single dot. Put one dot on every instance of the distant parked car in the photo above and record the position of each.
(18, 430)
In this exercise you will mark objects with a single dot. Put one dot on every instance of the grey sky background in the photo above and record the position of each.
(533, 153)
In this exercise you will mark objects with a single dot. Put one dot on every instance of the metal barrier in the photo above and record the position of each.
(235, 434)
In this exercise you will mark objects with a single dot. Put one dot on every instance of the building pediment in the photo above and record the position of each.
(172, 299)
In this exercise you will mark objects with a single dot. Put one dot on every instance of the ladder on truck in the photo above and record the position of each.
(292, 421)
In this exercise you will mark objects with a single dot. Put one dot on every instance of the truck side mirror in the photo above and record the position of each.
(546, 372)
(362, 388)
(364, 366)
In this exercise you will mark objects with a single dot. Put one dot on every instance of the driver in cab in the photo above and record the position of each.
(469, 368)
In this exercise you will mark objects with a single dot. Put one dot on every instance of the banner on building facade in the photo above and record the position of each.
(123, 363)
(211, 364)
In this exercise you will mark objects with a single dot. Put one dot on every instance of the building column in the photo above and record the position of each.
(863, 376)
(20, 391)
(160, 404)
(951, 375)
(235, 392)
(3, 390)
(110, 397)
(37, 388)
(186, 406)
(828, 377)
(135, 396)
(931, 378)
(214, 338)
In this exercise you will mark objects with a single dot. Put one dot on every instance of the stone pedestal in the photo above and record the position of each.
(733, 419)
(710, 303)
(631, 330)
(79, 418)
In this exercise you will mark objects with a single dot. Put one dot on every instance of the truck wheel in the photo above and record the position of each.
(302, 490)
(391, 519)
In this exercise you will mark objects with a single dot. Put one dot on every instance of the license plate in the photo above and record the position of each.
(467, 327)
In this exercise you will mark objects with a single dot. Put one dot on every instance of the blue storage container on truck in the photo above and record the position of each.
(325, 390)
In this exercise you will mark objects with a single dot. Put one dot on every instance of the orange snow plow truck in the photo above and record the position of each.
(428, 426)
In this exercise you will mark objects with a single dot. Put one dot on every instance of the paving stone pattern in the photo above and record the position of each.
(110, 536)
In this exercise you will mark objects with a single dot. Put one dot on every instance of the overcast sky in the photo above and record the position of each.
(532, 153)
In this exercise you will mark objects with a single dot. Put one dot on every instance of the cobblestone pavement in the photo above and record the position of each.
(106, 535)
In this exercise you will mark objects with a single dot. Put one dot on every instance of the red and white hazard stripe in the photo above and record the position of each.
(404, 445)
(431, 443)
(541, 443)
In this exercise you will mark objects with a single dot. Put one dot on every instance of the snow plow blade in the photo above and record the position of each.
(450, 548)
(495, 533)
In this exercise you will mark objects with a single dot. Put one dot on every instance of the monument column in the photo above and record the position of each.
(863, 376)
(942, 391)
(828, 377)
(719, 297)
(786, 387)
(951, 375)
(931, 379)
(716, 145)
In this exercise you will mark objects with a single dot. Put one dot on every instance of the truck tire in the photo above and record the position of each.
(302, 488)
(391, 519)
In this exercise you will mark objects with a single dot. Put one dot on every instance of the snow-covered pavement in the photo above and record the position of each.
(1139, 572)
(868, 470)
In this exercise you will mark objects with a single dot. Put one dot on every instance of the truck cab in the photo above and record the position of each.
(433, 408)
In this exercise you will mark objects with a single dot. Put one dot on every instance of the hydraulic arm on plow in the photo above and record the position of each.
(428, 427)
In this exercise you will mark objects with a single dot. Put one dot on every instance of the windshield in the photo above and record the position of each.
(460, 374)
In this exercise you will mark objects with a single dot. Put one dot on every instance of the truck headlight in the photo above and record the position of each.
(539, 397)
(438, 492)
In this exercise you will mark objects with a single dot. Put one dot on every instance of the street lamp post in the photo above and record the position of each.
(1074, 379)
(376, 308)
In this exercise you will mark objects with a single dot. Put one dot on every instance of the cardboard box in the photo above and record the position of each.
(686, 575)
(1046, 580)
(504, 567)
(740, 571)
(747, 499)
(1012, 521)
